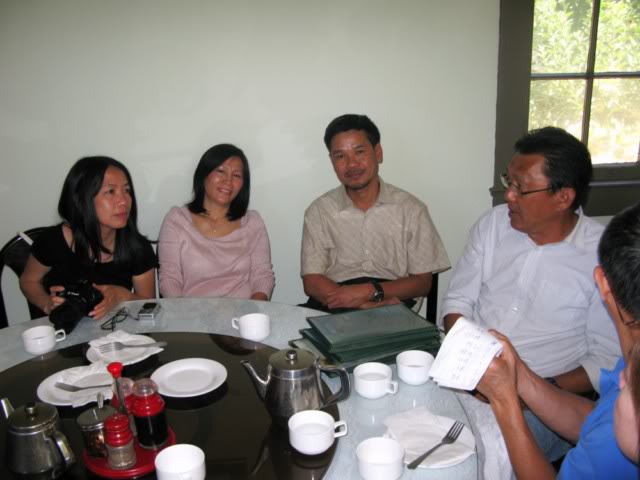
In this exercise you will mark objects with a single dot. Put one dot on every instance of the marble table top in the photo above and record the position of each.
(210, 315)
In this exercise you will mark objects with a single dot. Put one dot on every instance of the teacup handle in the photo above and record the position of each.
(392, 388)
(58, 337)
(337, 431)
(234, 323)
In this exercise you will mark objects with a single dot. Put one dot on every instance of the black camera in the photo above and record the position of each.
(80, 299)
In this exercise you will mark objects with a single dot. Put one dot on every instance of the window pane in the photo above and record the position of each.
(614, 132)
(561, 36)
(558, 103)
(618, 48)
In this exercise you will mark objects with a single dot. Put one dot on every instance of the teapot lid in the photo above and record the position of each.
(33, 417)
(292, 362)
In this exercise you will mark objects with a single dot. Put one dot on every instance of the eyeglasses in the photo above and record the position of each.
(120, 316)
(508, 183)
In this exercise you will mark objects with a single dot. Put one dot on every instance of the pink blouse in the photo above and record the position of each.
(193, 265)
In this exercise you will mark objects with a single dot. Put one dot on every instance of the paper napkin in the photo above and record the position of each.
(418, 430)
(126, 356)
(94, 374)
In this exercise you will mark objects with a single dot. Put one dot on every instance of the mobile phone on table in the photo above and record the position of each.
(149, 311)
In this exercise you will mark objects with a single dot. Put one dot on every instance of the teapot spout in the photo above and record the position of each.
(7, 408)
(259, 382)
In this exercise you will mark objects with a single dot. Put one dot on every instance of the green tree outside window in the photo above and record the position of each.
(594, 96)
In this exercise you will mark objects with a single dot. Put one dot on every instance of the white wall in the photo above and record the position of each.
(154, 83)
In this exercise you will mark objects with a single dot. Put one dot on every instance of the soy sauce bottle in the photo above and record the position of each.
(149, 415)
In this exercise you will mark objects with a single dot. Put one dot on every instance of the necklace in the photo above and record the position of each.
(213, 222)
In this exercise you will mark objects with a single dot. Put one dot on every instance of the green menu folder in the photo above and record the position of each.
(370, 327)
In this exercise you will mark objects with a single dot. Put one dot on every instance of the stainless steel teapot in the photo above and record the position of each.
(35, 445)
(292, 384)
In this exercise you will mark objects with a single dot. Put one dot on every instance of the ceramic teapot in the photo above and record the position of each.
(292, 384)
(35, 446)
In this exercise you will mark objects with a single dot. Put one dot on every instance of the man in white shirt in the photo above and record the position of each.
(527, 268)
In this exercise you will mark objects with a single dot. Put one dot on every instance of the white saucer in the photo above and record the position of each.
(126, 356)
(189, 377)
(49, 393)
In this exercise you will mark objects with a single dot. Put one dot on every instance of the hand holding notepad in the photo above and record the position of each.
(464, 356)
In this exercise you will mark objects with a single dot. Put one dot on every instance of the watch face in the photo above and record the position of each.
(378, 295)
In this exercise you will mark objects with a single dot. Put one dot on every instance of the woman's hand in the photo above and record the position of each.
(54, 300)
(113, 295)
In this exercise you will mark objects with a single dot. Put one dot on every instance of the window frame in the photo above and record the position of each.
(613, 187)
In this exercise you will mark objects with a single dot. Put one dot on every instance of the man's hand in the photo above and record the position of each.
(350, 296)
(501, 377)
(386, 301)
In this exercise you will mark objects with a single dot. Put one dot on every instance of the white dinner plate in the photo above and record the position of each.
(126, 356)
(189, 377)
(49, 393)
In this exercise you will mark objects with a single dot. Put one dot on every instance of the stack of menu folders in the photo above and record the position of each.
(376, 334)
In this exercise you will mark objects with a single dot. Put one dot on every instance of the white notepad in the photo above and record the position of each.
(464, 356)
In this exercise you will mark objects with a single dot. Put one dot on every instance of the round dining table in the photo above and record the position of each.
(364, 417)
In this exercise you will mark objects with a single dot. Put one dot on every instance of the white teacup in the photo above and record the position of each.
(312, 432)
(42, 339)
(180, 462)
(373, 380)
(380, 458)
(413, 366)
(254, 326)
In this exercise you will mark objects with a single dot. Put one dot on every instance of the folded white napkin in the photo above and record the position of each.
(418, 430)
(464, 356)
(94, 374)
(128, 355)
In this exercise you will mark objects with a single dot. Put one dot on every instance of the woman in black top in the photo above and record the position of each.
(98, 241)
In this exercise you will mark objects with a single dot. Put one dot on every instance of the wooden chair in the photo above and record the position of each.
(14, 255)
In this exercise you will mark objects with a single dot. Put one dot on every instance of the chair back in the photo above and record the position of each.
(14, 255)
(154, 244)
(432, 300)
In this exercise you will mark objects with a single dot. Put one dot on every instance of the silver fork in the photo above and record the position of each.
(451, 436)
(74, 388)
(114, 346)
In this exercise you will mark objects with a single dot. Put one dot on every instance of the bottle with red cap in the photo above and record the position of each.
(121, 453)
(122, 389)
(149, 415)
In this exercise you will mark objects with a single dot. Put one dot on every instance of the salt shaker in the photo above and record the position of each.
(121, 452)
(149, 415)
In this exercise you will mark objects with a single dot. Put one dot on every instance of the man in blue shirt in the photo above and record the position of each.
(508, 380)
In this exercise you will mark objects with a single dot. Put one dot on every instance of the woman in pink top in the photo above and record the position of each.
(214, 246)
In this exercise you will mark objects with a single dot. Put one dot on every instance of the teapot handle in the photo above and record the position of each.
(63, 447)
(345, 385)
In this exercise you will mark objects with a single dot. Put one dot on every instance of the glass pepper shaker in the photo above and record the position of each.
(149, 415)
(91, 423)
(126, 385)
(121, 453)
